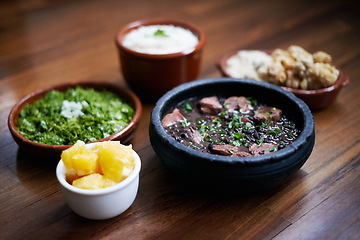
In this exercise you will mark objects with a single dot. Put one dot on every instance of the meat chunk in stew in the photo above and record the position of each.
(267, 114)
(238, 103)
(172, 118)
(210, 105)
(230, 150)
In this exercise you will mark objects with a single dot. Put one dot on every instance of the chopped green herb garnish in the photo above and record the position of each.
(160, 33)
(289, 134)
(218, 122)
(193, 145)
(208, 138)
(248, 126)
(274, 131)
(199, 121)
(272, 149)
(235, 122)
(185, 123)
(187, 107)
(290, 125)
(269, 118)
(253, 101)
(241, 141)
(203, 129)
(237, 135)
(222, 131)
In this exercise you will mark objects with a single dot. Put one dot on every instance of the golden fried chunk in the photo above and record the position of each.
(304, 84)
(283, 57)
(297, 68)
(300, 71)
(301, 55)
(324, 74)
(276, 74)
(321, 56)
(292, 80)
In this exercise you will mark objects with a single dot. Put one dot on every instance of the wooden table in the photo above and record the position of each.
(48, 42)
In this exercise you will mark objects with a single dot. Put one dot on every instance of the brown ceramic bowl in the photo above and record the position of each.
(315, 99)
(152, 75)
(54, 151)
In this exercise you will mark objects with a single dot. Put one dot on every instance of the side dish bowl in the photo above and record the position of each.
(264, 171)
(151, 75)
(101, 203)
(315, 99)
(54, 151)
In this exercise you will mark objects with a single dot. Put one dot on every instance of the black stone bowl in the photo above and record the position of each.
(257, 172)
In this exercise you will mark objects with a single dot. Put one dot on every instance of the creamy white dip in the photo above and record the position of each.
(160, 39)
(248, 64)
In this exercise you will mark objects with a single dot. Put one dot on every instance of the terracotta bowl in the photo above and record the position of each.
(151, 75)
(315, 99)
(54, 151)
(238, 173)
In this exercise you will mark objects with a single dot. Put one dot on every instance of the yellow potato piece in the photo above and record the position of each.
(80, 161)
(116, 160)
(93, 181)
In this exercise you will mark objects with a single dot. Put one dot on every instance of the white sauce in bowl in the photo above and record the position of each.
(160, 39)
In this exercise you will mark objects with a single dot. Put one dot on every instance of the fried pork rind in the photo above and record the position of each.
(283, 57)
(301, 55)
(321, 57)
(323, 75)
(297, 68)
(276, 74)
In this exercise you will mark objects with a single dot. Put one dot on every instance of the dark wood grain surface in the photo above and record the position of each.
(49, 42)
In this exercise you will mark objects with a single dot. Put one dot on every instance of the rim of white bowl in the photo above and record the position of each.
(60, 174)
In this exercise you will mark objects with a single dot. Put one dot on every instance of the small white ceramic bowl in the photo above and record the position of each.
(102, 203)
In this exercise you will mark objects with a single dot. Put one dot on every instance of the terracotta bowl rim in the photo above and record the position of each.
(161, 21)
(342, 81)
(13, 116)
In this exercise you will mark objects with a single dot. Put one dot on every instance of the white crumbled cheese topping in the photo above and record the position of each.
(84, 103)
(72, 109)
(160, 39)
(248, 64)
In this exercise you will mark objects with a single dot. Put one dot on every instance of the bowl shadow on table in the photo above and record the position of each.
(26, 160)
(37, 174)
(231, 189)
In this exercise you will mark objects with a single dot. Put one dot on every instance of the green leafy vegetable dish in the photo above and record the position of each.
(62, 118)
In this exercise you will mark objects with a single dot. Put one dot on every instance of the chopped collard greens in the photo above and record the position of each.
(62, 118)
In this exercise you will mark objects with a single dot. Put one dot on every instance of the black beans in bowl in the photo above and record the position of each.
(234, 126)
(195, 157)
